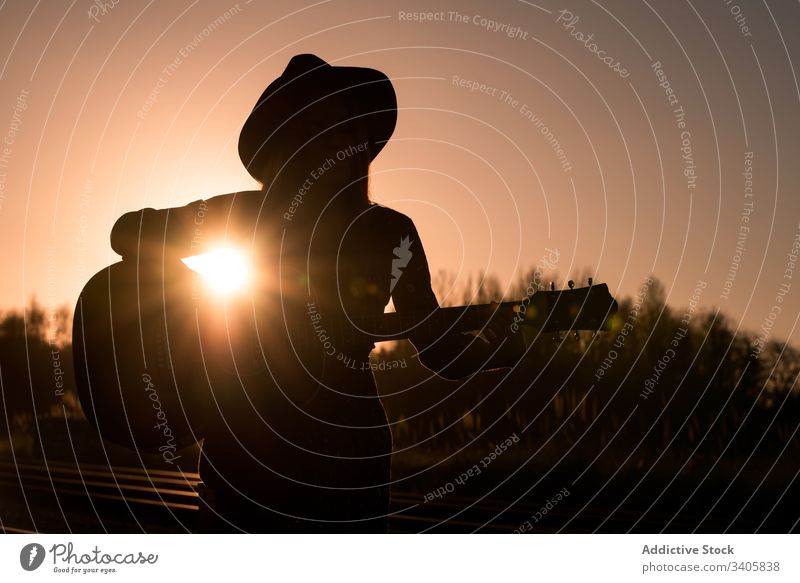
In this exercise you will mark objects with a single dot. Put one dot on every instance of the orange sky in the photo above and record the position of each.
(513, 134)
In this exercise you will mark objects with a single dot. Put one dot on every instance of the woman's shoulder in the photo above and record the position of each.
(388, 218)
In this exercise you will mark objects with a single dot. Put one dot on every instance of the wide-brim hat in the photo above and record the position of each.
(310, 83)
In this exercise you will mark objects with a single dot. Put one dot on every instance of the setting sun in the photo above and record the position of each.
(224, 269)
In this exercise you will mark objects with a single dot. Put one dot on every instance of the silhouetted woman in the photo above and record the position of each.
(295, 437)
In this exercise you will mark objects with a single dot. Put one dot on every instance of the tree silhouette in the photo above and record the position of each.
(36, 370)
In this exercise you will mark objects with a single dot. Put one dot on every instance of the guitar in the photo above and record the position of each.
(146, 344)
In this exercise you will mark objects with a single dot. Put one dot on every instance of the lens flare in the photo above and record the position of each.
(225, 269)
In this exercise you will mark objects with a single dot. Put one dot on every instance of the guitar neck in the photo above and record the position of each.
(579, 309)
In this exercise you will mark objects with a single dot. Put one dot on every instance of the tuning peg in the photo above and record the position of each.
(596, 335)
(590, 282)
(571, 284)
(576, 335)
(552, 286)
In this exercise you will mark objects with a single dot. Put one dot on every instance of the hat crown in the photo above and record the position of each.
(302, 64)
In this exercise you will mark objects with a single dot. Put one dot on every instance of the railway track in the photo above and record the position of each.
(163, 496)
(59, 497)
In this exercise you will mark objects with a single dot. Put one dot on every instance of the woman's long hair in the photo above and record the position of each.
(314, 221)
(289, 178)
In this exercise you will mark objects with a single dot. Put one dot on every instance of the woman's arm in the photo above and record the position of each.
(453, 355)
(172, 233)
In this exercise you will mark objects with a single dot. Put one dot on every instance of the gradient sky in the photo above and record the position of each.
(83, 142)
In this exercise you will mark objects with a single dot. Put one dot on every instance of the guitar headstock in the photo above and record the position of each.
(584, 308)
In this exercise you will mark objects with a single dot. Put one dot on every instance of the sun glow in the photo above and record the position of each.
(225, 269)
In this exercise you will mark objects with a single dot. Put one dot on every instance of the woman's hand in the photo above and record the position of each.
(125, 234)
(153, 235)
(507, 339)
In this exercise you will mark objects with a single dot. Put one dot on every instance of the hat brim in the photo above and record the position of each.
(276, 120)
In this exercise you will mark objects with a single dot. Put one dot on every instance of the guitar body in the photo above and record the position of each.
(136, 355)
(158, 359)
